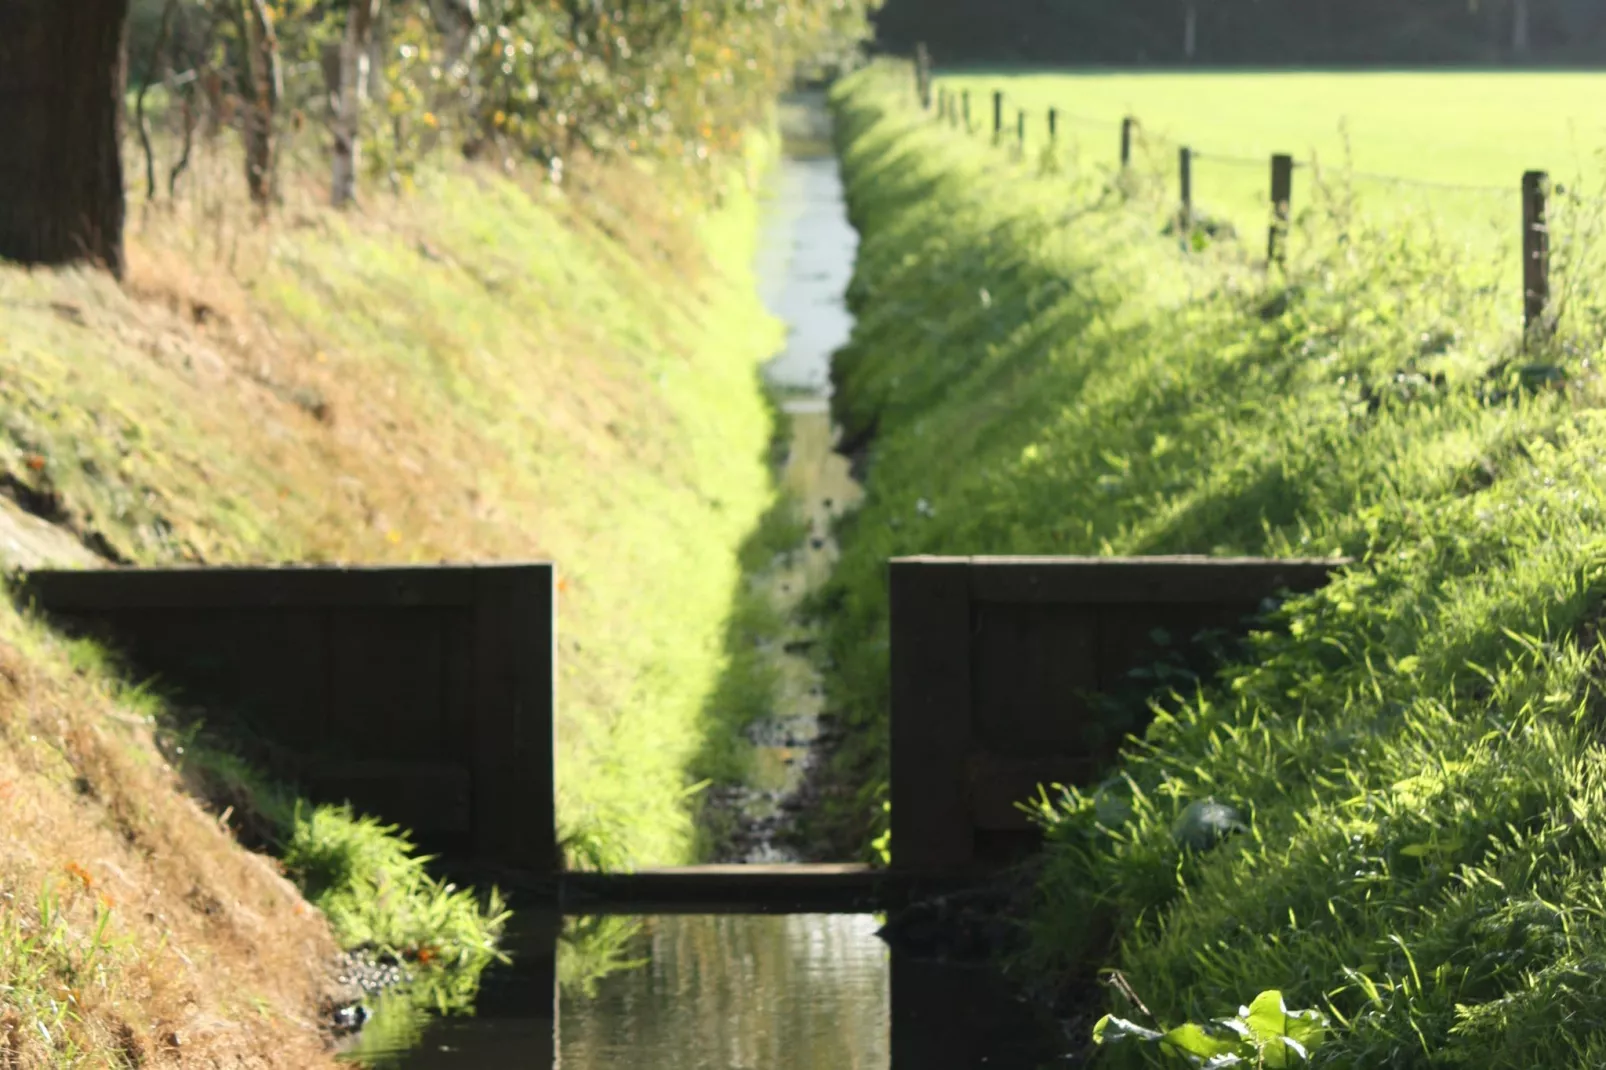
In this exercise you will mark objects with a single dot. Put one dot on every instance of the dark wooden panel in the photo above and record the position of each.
(153, 588)
(428, 798)
(389, 684)
(999, 782)
(422, 695)
(1049, 661)
(514, 704)
(269, 667)
(931, 715)
(1150, 579)
(1030, 666)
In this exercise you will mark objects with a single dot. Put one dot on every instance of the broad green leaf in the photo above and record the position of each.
(1192, 1040)
(1111, 1029)
(1267, 1016)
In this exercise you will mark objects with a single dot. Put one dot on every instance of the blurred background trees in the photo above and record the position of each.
(541, 79)
(1250, 32)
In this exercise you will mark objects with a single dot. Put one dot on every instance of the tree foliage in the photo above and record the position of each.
(668, 78)
(1250, 32)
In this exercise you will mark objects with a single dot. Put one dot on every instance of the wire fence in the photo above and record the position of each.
(1139, 150)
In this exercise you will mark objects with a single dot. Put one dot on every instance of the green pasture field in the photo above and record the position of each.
(1461, 140)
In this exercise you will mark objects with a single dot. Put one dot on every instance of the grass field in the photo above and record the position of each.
(1414, 754)
(1478, 129)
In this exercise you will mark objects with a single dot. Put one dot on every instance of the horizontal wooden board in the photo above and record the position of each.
(246, 588)
(743, 889)
(1119, 580)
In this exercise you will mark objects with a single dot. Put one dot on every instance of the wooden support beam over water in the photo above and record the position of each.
(751, 889)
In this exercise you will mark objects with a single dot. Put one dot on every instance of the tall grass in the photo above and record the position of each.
(1415, 750)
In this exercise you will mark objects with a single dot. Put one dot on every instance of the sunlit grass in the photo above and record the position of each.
(1415, 750)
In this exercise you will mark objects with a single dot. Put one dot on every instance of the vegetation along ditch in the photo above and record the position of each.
(1409, 760)
(513, 326)
(411, 281)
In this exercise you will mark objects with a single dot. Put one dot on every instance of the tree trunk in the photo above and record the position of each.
(455, 19)
(1519, 29)
(62, 76)
(354, 60)
(267, 86)
(1190, 32)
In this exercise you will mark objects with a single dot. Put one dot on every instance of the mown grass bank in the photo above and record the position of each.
(488, 367)
(1414, 752)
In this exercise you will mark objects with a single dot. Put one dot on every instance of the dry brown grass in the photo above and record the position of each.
(214, 958)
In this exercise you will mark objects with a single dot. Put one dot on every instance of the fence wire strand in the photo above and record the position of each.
(1147, 143)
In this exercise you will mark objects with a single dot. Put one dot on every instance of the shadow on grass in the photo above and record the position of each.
(749, 685)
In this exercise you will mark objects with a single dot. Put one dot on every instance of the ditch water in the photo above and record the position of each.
(744, 992)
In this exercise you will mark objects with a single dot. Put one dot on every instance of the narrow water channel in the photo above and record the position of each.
(799, 992)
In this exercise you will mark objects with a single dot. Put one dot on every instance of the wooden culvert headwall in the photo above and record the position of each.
(421, 695)
(1003, 672)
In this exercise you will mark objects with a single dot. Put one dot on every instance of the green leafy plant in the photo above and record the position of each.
(1263, 1034)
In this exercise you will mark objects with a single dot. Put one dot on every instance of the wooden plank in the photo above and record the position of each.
(514, 704)
(186, 588)
(999, 782)
(742, 889)
(388, 681)
(1031, 665)
(1116, 580)
(931, 820)
(425, 798)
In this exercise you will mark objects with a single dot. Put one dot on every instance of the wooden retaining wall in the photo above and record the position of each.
(421, 695)
(995, 665)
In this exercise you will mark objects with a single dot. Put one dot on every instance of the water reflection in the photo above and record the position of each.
(799, 992)
(802, 992)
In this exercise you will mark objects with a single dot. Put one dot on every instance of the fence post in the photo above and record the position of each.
(998, 116)
(1535, 250)
(923, 75)
(1126, 141)
(1282, 192)
(1020, 130)
(967, 111)
(1185, 219)
(1053, 124)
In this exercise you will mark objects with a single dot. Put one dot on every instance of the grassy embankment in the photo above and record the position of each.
(1416, 750)
(487, 368)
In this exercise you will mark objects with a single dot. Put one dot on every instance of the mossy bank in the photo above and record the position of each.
(1414, 752)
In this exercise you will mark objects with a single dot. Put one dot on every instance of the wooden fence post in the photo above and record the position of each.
(1020, 130)
(923, 74)
(1282, 192)
(967, 111)
(998, 116)
(1535, 250)
(1126, 141)
(1185, 168)
(1053, 124)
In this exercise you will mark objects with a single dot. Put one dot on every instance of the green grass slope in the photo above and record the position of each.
(490, 368)
(1415, 751)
